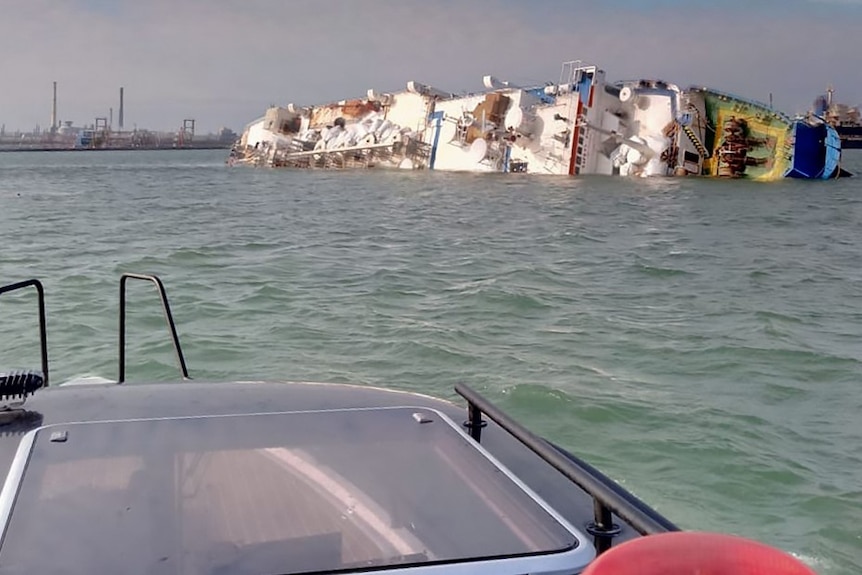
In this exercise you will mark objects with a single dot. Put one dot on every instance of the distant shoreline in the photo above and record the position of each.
(141, 149)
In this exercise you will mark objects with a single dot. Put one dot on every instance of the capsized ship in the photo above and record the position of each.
(581, 124)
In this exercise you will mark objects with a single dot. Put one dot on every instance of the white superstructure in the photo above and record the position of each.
(578, 125)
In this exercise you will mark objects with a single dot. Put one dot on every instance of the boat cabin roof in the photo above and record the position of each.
(400, 488)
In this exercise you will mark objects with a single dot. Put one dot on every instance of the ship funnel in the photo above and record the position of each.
(54, 110)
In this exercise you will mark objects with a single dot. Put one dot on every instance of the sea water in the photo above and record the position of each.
(698, 340)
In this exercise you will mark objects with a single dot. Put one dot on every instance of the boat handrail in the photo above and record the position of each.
(43, 337)
(178, 352)
(608, 496)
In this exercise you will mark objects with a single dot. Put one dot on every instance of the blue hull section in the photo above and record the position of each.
(833, 153)
(816, 151)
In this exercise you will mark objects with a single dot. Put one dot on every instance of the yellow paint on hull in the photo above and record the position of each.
(763, 124)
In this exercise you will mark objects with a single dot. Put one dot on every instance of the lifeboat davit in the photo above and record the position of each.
(695, 553)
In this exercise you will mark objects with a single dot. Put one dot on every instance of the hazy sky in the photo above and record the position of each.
(222, 62)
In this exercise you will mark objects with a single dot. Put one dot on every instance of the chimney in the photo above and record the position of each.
(54, 111)
(121, 109)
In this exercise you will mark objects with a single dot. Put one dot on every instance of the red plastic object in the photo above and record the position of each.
(695, 553)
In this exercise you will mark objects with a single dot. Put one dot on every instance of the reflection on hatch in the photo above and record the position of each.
(272, 493)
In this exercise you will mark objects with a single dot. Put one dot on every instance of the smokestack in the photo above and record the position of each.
(121, 108)
(54, 110)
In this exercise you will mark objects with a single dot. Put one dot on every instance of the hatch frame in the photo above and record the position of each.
(558, 560)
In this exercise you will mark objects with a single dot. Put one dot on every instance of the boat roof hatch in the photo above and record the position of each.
(396, 488)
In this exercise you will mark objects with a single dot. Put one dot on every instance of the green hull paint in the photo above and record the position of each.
(745, 139)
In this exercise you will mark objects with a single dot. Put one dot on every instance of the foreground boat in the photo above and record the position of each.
(579, 125)
(276, 478)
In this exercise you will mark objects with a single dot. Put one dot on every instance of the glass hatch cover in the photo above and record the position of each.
(303, 492)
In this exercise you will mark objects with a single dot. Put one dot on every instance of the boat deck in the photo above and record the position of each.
(347, 477)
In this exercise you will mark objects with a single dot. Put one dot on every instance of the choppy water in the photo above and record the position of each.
(701, 341)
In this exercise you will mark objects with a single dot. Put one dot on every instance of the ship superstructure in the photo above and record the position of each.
(582, 124)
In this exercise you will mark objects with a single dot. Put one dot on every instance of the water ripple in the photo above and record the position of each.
(698, 340)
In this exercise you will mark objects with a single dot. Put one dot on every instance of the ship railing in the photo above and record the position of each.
(169, 319)
(43, 339)
(609, 498)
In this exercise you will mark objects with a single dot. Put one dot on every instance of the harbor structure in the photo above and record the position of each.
(102, 134)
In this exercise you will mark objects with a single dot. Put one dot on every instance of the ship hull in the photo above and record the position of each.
(817, 151)
(744, 139)
(578, 126)
(851, 136)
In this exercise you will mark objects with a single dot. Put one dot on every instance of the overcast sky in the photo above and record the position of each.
(222, 62)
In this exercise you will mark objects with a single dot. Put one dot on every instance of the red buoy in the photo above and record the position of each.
(695, 553)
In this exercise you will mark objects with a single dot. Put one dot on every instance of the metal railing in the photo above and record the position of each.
(608, 497)
(43, 337)
(168, 318)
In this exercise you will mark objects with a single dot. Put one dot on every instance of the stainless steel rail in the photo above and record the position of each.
(608, 497)
(43, 337)
(168, 318)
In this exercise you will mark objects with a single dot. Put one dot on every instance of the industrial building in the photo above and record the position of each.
(102, 134)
